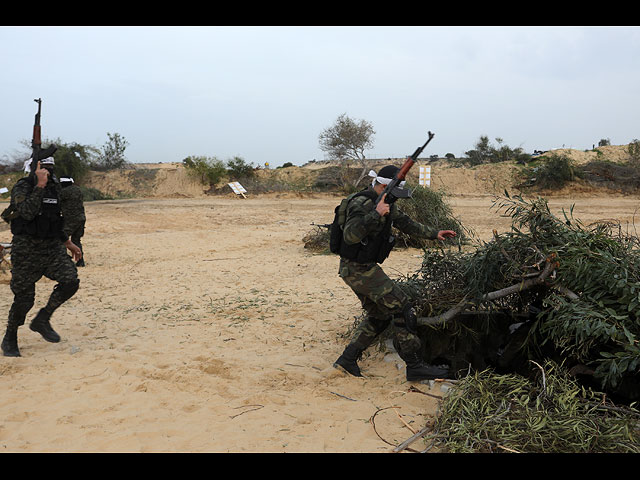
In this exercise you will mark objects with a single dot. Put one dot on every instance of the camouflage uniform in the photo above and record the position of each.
(381, 298)
(74, 216)
(31, 258)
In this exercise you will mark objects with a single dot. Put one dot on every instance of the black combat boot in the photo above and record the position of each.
(417, 370)
(10, 343)
(41, 325)
(349, 358)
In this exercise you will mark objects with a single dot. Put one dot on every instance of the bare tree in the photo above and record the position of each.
(346, 140)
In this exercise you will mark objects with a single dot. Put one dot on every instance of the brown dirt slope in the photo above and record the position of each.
(172, 180)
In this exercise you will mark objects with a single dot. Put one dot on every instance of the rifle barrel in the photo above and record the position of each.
(36, 141)
(406, 166)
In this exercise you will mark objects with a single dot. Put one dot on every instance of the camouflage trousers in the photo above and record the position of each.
(383, 302)
(31, 259)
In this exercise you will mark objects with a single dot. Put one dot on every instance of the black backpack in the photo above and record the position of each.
(340, 215)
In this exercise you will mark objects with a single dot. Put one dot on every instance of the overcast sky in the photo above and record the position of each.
(266, 93)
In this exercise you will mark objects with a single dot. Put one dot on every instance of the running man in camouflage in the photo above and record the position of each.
(73, 214)
(38, 248)
(366, 233)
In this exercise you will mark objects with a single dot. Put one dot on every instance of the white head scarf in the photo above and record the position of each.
(383, 180)
(44, 161)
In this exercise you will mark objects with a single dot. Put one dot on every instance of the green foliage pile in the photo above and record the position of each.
(600, 264)
(486, 412)
(429, 207)
(588, 310)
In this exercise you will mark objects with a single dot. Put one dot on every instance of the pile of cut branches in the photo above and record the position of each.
(430, 207)
(552, 413)
(574, 288)
(317, 240)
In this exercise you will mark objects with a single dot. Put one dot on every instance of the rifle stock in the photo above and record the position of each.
(402, 173)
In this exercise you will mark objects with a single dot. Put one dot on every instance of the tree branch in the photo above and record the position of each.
(551, 265)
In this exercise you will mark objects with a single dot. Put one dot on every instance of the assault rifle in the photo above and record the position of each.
(36, 142)
(402, 173)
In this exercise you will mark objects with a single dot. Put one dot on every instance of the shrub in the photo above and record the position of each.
(430, 208)
(208, 170)
(485, 152)
(633, 149)
(238, 168)
(90, 194)
(112, 155)
(553, 172)
(73, 160)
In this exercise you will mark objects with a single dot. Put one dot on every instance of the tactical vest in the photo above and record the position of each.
(371, 249)
(48, 222)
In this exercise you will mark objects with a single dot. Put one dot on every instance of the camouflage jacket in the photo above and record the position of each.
(363, 220)
(26, 199)
(26, 202)
(72, 209)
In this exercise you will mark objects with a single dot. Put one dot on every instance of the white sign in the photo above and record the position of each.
(237, 188)
(3, 190)
(425, 175)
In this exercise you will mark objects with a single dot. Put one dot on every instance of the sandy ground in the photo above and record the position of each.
(203, 325)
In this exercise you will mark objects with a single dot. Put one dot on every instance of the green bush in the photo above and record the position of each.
(90, 194)
(430, 208)
(112, 155)
(553, 172)
(208, 170)
(485, 152)
(72, 160)
(238, 168)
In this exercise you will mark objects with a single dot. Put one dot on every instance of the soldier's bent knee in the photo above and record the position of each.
(379, 324)
(67, 289)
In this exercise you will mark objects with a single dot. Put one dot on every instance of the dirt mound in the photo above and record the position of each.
(612, 153)
(167, 181)
(147, 180)
(172, 180)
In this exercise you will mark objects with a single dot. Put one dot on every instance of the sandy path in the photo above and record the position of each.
(203, 325)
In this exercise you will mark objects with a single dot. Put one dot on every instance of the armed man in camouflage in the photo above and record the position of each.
(367, 241)
(37, 249)
(73, 214)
